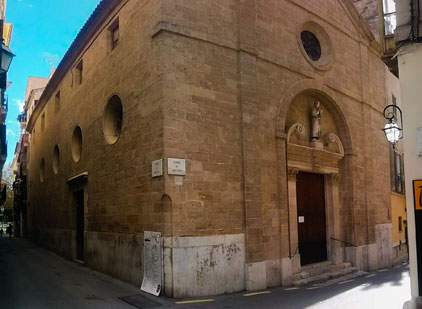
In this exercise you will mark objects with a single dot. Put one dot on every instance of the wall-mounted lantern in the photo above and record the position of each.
(393, 129)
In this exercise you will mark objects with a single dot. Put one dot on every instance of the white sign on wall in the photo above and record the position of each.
(176, 166)
(157, 168)
(153, 263)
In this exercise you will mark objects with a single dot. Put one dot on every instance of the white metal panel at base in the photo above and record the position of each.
(153, 263)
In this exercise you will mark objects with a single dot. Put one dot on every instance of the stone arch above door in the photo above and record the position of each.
(319, 154)
(317, 89)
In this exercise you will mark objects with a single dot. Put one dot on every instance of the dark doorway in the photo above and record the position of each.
(80, 224)
(311, 218)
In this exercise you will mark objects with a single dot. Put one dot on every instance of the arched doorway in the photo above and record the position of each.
(317, 144)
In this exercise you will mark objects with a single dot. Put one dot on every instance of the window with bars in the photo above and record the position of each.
(390, 16)
(397, 171)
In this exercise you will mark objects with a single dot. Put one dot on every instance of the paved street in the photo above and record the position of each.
(382, 289)
(32, 277)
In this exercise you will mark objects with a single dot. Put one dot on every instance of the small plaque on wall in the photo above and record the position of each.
(157, 168)
(176, 167)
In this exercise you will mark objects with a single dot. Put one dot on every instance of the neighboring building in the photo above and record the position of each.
(398, 199)
(381, 16)
(408, 37)
(228, 88)
(6, 31)
(35, 87)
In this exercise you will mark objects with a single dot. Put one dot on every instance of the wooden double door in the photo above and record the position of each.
(312, 230)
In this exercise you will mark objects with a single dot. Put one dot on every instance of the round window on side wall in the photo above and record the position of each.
(56, 159)
(311, 45)
(113, 120)
(77, 144)
(315, 45)
(42, 170)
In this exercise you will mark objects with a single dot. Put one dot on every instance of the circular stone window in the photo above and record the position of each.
(113, 120)
(76, 144)
(56, 159)
(311, 45)
(42, 170)
(316, 46)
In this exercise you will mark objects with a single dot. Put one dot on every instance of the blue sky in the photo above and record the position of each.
(43, 31)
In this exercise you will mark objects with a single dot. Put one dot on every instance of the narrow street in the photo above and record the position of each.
(32, 277)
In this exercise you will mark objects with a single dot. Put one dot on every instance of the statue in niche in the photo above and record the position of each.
(316, 121)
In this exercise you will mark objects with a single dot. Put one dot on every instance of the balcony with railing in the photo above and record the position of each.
(22, 118)
(390, 25)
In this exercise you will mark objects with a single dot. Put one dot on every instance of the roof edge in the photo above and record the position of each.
(89, 29)
(362, 25)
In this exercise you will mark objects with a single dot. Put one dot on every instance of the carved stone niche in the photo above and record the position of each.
(332, 143)
(296, 131)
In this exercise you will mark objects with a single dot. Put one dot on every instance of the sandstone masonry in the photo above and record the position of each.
(220, 84)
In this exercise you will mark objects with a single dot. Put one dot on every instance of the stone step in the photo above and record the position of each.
(325, 276)
(347, 277)
(320, 268)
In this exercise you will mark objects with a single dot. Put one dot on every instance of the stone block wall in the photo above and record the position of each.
(212, 82)
(120, 196)
(210, 68)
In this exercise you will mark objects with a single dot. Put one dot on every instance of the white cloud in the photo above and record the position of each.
(10, 132)
(20, 104)
(51, 59)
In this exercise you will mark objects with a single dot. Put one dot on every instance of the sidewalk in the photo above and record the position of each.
(31, 277)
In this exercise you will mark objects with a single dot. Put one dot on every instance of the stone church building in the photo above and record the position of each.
(247, 133)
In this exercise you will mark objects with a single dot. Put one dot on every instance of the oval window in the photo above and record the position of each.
(77, 144)
(311, 45)
(113, 120)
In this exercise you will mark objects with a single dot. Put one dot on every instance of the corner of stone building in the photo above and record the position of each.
(196, 266)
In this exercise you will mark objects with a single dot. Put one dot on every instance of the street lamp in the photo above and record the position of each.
(393, 128)
(6, 57)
